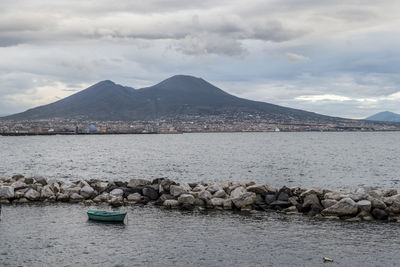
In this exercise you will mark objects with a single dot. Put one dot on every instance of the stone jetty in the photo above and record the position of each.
(364, 204)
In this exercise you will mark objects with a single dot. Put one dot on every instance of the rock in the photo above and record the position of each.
(138, 182)
(75, 197)
(6, 192)
(237, 192)
(18, 185)
(164, 197)
(258, 189)
(377, 203)
(100, 186)
(353, 219)
(379, 214)
(279, 204)
(63, 197)
(317, 191)
(389, 193)
(21, 200)
(87, 191)
(136, 197)
(117, 192)
(205, 195)
(177, 190)
(326, 203)
(41, 180)
(333, 195)
(171, 203)
(364, 205)
(245, 199)
(217, 201)
(290, 209)
(198, 188)
(345, 206)
(214, 188)
(310, 200)
(32, 194)
(199, 202)
(219, 194)
(227, 204)
(150, 192)
(395, 207)
(20, 193)
(17, 177)
(28, 180)
(269, 198)
(103, 197)
(165, 185)
(46, 192)
(284, 193)
(186, 199)
(54, 186)
(116, 201)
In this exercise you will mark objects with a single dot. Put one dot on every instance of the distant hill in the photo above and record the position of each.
(385, 116)
(177, 96)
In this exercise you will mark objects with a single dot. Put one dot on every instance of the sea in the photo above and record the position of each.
(61, 235)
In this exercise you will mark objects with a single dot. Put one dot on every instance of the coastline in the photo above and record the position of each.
(364, 204)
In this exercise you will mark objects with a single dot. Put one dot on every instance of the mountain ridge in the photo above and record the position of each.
(177, 96)
(385, 116)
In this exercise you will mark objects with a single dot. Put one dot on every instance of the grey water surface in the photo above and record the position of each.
(61, 235)
(329, 160)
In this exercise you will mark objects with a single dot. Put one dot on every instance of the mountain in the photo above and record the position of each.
(174, 97)
(385, 116)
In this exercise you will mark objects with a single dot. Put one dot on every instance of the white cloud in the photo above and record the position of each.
(296, 57)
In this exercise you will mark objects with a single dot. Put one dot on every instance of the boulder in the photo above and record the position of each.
(377, 203)
(87, 191)
(284, 193)
(54, 186)
(213, 188)
(28, 180)
(138, 182)
(19, 185)
(164, 197)
(395, 207)
(75, 197)
(237, 192)
(217, 202)
(345, 206)
(219, 194)
(116, 201)
(205, 195)
(20, 193)
(244, 199)
(279, 204)
(333, 195)
(63, 197)
(186, 199)
(32, 194)
(21, 200)
(117, 192)
(326, 203)
(199, 202)
(100, 186)
(177, 190)
(198, 188)
(46, 192)
(258, 189)
(269, 198)
(103, 197)
(150, 192)
(227, 204)
(165, 185)
(309, 200)
(171, 203)
(364, 205)
(136, 197)
(379, 214)
(6, 192)
(41, 180)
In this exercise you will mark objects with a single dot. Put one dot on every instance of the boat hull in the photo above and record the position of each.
(106, 216)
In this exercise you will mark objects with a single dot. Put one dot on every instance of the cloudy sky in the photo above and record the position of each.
(338, 58)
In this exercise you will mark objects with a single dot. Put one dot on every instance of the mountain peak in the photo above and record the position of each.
(385, 116)
(105, 82)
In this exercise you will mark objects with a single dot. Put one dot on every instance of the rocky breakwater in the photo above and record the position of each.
(364, 204)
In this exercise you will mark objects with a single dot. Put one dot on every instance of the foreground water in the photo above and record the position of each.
(61, 235)
(329, 160)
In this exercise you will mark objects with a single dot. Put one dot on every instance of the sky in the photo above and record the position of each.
(338, 58)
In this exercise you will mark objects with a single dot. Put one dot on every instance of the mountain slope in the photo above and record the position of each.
(174, 97)
(385, 116)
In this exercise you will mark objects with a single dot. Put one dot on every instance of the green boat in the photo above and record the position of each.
(106, 216)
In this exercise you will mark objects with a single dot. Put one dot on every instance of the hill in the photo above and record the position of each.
(174, 97)
(386, 116)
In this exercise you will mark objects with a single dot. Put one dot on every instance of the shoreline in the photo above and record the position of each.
(364, 204)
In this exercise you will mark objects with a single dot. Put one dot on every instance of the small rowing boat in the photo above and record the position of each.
(106, 216)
